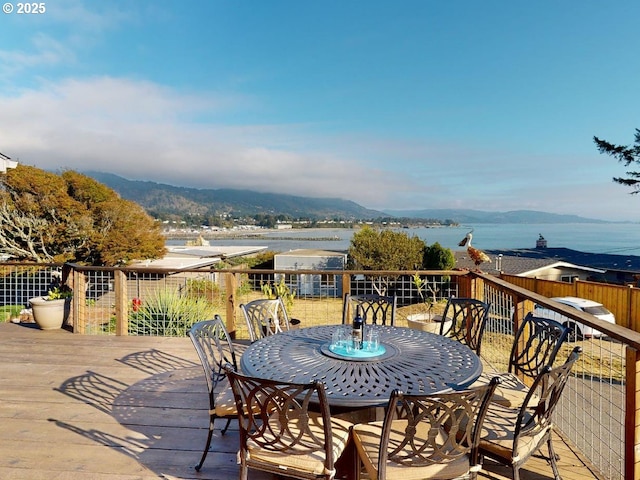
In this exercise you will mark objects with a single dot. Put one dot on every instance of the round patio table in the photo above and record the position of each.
(413, 361)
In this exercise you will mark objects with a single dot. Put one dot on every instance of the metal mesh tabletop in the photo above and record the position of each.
(417, 362)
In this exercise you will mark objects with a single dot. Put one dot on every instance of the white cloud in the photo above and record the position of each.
(44, 52)
(141, 130)
(95, 17)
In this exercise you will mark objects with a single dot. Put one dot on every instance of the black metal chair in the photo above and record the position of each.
(465, 319)
(425, 436)
(375, 309)
(535, 346)
(215, 350)
(286, 428)
(511, 436)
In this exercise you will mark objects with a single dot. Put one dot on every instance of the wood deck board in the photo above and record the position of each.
(125, 408)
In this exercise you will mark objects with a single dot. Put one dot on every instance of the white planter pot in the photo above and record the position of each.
(427, 322)
(50, 314)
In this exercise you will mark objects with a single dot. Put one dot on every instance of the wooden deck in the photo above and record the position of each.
(124, 408)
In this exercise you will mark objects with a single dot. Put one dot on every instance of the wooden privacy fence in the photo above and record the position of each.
(623, 301)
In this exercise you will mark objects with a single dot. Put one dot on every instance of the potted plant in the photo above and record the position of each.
(51, 311)
(425, 320)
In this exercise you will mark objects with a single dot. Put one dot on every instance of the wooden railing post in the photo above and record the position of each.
(632, 416)
(629, 310)
(346, 283)
(231, 287)
(122, 303)
(474, 288)
(464, 285)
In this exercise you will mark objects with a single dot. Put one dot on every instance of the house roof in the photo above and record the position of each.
(514, 264)
(604, 261)
(188, 257)
(215, 251)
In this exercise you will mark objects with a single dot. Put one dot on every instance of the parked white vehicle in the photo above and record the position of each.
(577, 331)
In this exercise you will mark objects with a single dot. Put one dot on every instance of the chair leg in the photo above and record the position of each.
(244, 471)
(553, 459)
(224, 430)
(206, 448)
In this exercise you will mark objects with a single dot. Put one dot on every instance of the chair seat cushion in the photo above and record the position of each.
(367, 440)
(225, 404)
(498, 434)
(511, 392)
(300, 458)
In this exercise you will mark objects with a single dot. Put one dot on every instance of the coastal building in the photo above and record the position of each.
(544, 268)
(325, 284)
(185, 257)
(562, 264)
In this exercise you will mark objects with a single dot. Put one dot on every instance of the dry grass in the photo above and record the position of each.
(600, 358)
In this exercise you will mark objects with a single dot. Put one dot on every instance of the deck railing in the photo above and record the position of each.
(598, 410)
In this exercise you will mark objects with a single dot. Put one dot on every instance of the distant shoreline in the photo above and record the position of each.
(257, 233)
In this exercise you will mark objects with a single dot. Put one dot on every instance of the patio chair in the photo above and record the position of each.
(464, 319)
(286, 428)
(266, 317)
(535, 345)
(511, 436)
(375, 309)
(425, 436)
(214, 348)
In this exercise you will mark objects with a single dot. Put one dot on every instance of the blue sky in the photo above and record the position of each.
(394, 105)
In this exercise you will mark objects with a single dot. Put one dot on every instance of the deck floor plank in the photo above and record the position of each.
(125, 408)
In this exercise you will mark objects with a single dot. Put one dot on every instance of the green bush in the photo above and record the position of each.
(167, 313)
(279, 290)
(199, 288)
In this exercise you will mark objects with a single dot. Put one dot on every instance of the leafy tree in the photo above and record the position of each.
(384, 250)
(72, 217)
(436, 257)
(626, 155)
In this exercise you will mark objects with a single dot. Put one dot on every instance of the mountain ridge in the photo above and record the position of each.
(158, 198)
(163, 198)
(480, 216)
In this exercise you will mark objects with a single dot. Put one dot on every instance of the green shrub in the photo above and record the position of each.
(199, 288)
(167, 313)
(279, 290)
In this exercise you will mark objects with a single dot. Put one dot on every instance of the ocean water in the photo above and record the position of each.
(615, 238)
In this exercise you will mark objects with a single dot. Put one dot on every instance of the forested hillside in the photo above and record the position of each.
(161, 199)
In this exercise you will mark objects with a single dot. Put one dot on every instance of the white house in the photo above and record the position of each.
(325, 284)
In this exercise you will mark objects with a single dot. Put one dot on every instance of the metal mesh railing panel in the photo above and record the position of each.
(19, 283)
(591, 412)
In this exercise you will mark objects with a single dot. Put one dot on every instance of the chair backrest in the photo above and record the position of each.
(465, 319)
(436, 429)
(535, 413)
(535, 346)
(214, 348)
(275, 417)
(375, 309)
(265, 317)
